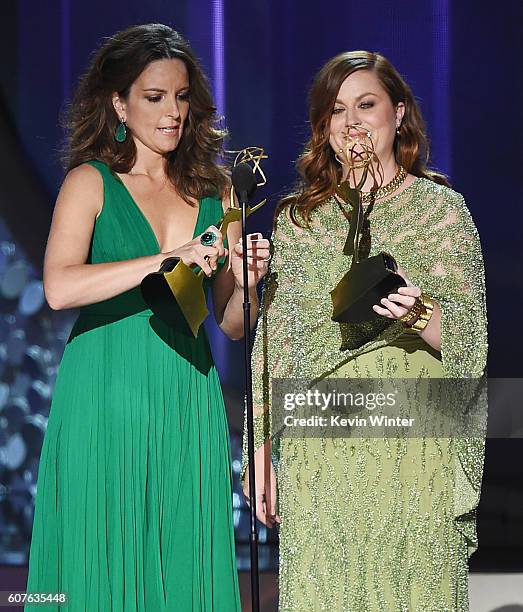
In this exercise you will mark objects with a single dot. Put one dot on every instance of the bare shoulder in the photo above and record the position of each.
(83, 186)
(79, 201)
(84, 172)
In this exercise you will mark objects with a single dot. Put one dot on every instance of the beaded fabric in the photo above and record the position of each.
(374, 524)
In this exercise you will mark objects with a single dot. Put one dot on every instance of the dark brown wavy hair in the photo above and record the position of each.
(319, 172)
(193, 167)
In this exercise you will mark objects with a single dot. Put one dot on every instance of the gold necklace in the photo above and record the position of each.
(368, 196)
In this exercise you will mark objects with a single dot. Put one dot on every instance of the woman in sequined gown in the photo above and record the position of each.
(370, 524)
(134, 504)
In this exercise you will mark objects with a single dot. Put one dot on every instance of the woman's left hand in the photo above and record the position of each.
(396, 305)
(258, 257)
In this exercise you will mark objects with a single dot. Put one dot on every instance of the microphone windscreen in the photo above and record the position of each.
(243, 180)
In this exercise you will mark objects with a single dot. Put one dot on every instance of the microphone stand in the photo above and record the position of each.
(253, 540)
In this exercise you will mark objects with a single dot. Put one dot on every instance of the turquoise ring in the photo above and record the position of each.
(208, 238)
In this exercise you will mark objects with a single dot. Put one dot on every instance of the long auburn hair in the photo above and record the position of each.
(318, 170)
(92, 120)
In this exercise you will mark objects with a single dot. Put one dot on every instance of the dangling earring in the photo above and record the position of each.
(120, 133)
(398, 130)
(340, 161)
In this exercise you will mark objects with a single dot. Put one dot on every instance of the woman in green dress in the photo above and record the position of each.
(134, 503)
(370, 524)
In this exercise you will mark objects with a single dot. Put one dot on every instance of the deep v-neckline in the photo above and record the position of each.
(146, 220)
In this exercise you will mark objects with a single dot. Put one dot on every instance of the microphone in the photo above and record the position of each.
(243, 181)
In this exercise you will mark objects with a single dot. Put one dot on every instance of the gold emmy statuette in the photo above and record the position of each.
(367, 281)
(175, 293)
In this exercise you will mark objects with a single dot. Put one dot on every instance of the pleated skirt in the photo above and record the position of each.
(133, 509)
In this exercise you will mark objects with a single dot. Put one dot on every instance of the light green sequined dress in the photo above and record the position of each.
(374, 524)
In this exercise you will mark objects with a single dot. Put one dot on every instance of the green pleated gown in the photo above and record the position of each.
(133, 510)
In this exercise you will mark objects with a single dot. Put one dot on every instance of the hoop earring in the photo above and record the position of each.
(120, 134)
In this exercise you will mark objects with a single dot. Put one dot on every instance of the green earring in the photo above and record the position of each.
(120, 133)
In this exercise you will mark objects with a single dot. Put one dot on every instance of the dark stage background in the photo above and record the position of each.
(464, 62)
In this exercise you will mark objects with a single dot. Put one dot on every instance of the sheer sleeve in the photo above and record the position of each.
(456, 281)
(271, 345)
(464, 320)
(452, 273)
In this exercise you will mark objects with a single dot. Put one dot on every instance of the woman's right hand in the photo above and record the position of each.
(194, 253)
(266, 486)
